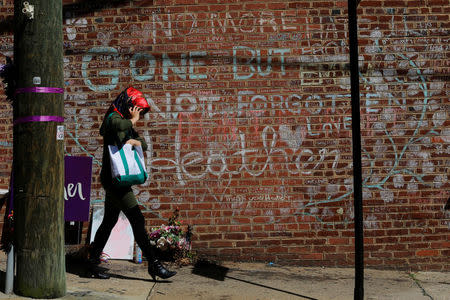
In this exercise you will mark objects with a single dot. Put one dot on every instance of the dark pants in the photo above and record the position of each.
(110, 218)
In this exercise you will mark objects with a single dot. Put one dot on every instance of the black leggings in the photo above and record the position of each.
(110, 218)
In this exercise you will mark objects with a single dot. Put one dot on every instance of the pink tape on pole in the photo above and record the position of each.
(38, 119)
(40, 89)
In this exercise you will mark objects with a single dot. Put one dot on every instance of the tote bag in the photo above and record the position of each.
(127, 165)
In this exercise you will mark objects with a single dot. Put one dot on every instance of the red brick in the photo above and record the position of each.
(220, 244)
(317, 256)
(427, 253)
(338, 241)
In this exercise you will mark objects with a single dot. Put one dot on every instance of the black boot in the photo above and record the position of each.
(93, 270)
(137, 221)
(155, 268)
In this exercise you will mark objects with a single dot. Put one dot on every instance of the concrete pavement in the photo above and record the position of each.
(237, 281)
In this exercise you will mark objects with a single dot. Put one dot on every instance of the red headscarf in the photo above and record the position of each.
(137, 99)
(128, 98)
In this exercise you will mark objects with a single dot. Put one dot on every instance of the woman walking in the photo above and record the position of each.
(118, 129)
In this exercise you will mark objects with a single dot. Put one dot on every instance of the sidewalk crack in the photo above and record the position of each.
(417, 282)
(150, 293)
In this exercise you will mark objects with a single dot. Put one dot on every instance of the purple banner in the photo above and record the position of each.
(77, 187)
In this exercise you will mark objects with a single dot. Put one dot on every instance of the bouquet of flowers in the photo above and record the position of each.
(172, 243)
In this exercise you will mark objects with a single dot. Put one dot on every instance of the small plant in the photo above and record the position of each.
(172, 243)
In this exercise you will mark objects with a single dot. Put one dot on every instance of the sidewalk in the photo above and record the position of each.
(240, 281)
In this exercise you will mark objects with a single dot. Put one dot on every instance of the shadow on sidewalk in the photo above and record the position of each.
(138, 278)
(78, 266)
(214, 271)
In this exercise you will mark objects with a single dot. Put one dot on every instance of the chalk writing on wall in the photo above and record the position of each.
(208, 116)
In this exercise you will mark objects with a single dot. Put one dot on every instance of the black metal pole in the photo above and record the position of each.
(356, 139)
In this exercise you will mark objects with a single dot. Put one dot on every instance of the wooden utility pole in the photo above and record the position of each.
(38, 159)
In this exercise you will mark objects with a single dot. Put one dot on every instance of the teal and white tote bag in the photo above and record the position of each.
(127, 165)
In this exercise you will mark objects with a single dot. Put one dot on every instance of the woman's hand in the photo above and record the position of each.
(133, 142)
(135, 114)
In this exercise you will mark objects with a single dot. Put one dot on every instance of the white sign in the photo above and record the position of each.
(60, 132)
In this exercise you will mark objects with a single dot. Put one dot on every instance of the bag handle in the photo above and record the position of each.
(124, 161)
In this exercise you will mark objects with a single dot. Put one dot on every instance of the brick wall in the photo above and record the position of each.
(250, 126)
